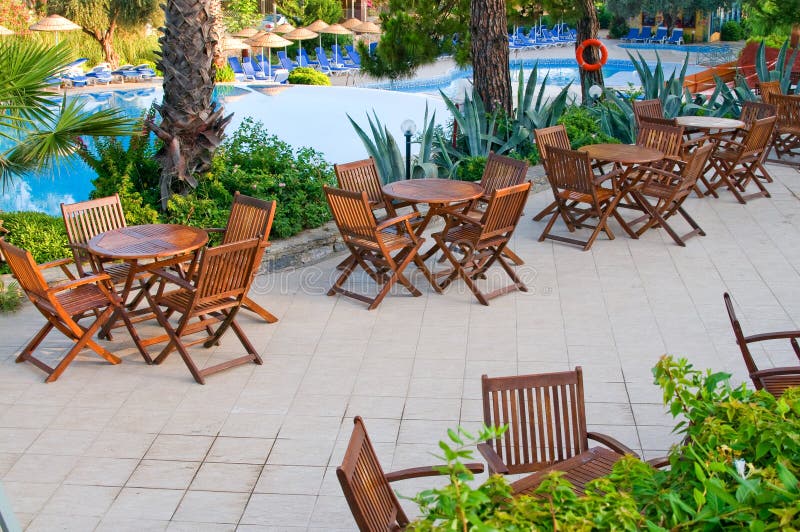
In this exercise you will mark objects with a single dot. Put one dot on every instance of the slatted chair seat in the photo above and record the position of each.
(602, 194)
(546, 418)
(482, 242)
(774, 380)
(64, 306)
(390, 240)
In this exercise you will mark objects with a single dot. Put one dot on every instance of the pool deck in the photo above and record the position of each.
(133, 447)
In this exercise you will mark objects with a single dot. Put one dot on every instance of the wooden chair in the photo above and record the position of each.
(87, 219)
(63, 305)
(735, 163)
(389, 246)
(774, 380)
(367, 489)
(546, 137)
(667, 139)
(483, 241)
(651, 108)
(250, 218)
(670, 190)
(768, 89)
(573, 183)
(214, 296)
(752, 111)
(787, 129)
(546, 419)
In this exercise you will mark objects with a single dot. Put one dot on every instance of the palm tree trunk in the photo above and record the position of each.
(588, 27)
(192, 124)
(489, 35)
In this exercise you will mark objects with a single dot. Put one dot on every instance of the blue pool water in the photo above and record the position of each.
(616, 73)
(300, 115)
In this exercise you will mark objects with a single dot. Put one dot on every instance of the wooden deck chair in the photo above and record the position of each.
(546, 137)
(64, 305)
(767, 89)
(664, 138)
(367, 488)
(752, 111)
(573, 183)
(546, 418)
(250, 218)
(215, 296)
(670, 190)
(651, 108)
(774, 380)
(735, 163)
(377, 248)
(481, 242)
(787, 129)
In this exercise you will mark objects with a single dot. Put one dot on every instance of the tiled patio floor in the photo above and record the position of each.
(133, 447)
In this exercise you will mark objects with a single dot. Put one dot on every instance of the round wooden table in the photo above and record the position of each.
(162, 245)
(437, 193)
(624, 154)
(708, 123)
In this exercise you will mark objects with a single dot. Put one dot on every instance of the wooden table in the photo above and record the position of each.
(579, 470)
(708, 123)
(161, 245)
(437, 193)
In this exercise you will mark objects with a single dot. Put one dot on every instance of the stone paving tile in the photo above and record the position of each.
(133, 447)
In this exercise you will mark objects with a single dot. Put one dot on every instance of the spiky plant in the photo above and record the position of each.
(192, 125)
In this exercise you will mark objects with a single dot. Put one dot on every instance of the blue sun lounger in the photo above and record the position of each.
(354, 56)
(326, 66)
(660, 36)
(285, 62)
(676, 37)
(236, 66)
(645, 35)
(632, 35)
(251, 72)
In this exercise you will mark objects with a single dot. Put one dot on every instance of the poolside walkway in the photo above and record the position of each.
(133, 447)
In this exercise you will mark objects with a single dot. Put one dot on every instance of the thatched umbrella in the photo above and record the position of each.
(232, 43)
(245, 33)
(317, 26)
(367, 27)
(352, 23)
(337, 29)
(5, 31)
(269, 41)
(300, 34)
(55, 23)
(282, 30)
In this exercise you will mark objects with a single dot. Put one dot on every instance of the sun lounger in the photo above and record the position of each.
(280, 75)
(145, 71)
(236, 66)
(326, 66)
(127, 73)
(285, 62)
(309, 62)
(676, 37)
(351, 51)
(645, 35)
(632, 35)
(660, 36)
(74, 79)
(250, 71)
(341, 59)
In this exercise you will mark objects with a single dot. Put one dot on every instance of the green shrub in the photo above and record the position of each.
(256, 163)
(737, 469)
(731, 31)
(41, 234)
(618, 28)
(10, 297)
(308, 76)
(471, 168)
(583, 128)
(604, 17)
(225, 74)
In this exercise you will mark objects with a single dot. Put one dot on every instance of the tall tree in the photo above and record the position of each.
(489, 35)
(672, 9)
(774, 16)
(101, 18)
(587, 28)
(192, 124)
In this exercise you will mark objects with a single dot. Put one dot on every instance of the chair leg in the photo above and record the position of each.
(81, 342)
(252, 306)
(397, 275)
(544, 212)
(34, 343)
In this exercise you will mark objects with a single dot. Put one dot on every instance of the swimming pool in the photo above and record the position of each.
(300, 115)
(616, 73)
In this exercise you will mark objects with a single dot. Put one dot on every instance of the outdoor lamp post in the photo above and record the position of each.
(594, 92)
(408, 127)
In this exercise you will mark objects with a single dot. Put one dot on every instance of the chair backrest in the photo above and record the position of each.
(373, 503)
(666, 139)
(250, 218)
(752, 111)
(570, 170)
(322, 58)
(502, 172)
(647, 108)
(226, 271)
(249, 71)
(656, 120)
(768, 89)
(25, 270)
(352, 213)
(737, 332)
(759, 135)
(661, 33)
(545, 415)
(235, 65)
(787, 109)
(87, 219)
(504, 210)
(551, 136)
(361, 175)
(647, 31)
(677, 35)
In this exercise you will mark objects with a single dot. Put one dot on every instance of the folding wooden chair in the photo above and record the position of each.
(63, 305)
(735, 163)
(366, 487)
(774, 380)
(752, 111)
(670, 190)
(546, 418)
(787, 129)
(482, 242)
(666, 139)
(768, 89)
(223, 278)
(651, 108)
(573, 183)
(389, 246)
(250, 218)
(546, 137)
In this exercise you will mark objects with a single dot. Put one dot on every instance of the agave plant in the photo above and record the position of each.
(532, 110)
(383, 147)
(782, 70)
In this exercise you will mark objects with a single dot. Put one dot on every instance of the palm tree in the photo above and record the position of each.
(34, 132)
(192, 124)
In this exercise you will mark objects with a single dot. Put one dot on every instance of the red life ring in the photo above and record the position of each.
(591, 67)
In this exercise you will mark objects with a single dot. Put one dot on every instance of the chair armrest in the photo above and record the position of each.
(728, 143)
(659, 462)
(74, 283)
(658, 171)
(495, 463)
(172, 278)
(396, 220)
(776, 372)
(463, 218)
(215, 229)
(427, 471)
(781, 335)
(55, 264)
(611, 443)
